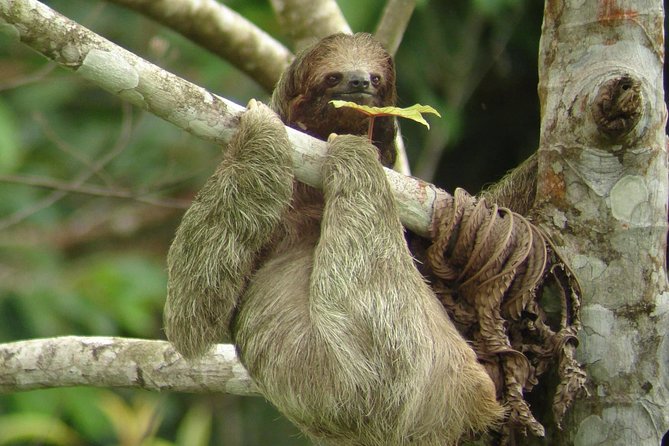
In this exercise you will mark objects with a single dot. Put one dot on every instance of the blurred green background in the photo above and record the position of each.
(92, 264)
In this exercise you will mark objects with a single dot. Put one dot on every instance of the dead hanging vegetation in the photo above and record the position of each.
(500, 280)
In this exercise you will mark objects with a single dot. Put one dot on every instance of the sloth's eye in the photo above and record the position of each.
(376, 79)
(333, 79)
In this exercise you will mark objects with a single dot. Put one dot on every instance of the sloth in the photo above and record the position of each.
(317, 289)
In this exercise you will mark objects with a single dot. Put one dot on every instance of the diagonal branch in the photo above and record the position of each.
(393, 23)
(308, 20)
(178, 101)
(222, 31)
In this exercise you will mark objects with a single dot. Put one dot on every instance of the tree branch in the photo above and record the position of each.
(223, 32)
(393, 23)
(308, 20)
(389, 32)
(119, 362)
(87, 189)
(180, 102)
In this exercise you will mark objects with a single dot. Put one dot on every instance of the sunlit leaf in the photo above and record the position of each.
(36, 428)
(415, 112)
(195, 429)
(133, 423)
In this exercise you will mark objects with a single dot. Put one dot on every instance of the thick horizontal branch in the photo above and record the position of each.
(119, 362)
(178, 101)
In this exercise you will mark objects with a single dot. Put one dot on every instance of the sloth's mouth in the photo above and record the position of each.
(359, 97)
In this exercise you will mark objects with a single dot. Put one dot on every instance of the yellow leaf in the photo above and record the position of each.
(415, 112)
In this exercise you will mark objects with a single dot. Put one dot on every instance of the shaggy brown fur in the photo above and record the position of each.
(517, 190)
(355, 69)
(321, 295)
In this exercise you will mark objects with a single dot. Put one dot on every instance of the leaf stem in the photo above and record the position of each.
(370, 128)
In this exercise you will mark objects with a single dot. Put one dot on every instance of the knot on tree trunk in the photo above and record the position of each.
(617, 107)
(493, 270)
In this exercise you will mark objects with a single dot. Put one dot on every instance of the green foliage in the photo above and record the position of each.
(79, 407)
(32, 427)
(361, 19)
(475, 61)
(195, 428)
(127, 290)
(490, 8)
(9, 147)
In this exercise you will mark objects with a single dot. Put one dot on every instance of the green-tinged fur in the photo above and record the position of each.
(327, 310)
(231, 219)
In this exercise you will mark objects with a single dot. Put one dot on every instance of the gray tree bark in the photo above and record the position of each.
(602, 196)
(306, 21)
(98, 361)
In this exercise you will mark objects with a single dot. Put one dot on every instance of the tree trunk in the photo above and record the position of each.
(602, 196)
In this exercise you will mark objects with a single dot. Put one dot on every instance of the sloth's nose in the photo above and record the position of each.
(357, 80)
